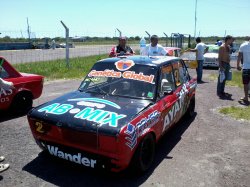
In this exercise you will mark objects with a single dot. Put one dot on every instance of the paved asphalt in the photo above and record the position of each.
(208, 150)
(35, 55)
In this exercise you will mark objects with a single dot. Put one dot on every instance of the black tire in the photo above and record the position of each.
(191, 108)
(22, 102)
(144, 155)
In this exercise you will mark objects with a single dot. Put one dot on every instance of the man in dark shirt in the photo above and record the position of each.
(121, 49)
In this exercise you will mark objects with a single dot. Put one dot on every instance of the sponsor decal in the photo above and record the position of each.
(123, 65)
(102, 117)
(180, 105)
(134, 132)
(131, 136)
(4, 95)
(105, 73)
(171, 114)
(126, 74)
(97, 100)
(77, 158)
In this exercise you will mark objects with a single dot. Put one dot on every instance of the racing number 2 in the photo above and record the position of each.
(39, 127)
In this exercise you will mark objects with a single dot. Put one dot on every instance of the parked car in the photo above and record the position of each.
(211, 57)
(27, 88)
(121, 109)
(173, 51)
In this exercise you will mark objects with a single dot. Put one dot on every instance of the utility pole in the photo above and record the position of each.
(120, 32)
(67, 43)
(148, 36)
(28, 29)
(166, 38)
(195, 18)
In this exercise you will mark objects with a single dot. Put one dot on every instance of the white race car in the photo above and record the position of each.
(211, 57)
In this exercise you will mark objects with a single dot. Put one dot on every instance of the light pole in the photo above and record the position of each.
(195, 18)
(120, 32)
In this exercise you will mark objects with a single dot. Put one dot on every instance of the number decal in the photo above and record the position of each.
(39, 127)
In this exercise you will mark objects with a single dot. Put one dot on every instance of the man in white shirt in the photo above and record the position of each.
(244, 53)
(154, 49)
(200, 50)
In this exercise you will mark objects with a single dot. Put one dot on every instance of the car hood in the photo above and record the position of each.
(92, 112)
(211, 55)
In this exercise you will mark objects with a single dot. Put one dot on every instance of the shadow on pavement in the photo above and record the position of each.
(8, 115)
(61, 173)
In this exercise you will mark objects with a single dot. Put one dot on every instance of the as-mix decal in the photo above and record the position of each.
(90, 113)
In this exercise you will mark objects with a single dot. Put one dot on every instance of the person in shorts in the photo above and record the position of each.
(244, 53)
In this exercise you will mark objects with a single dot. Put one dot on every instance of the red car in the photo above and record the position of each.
(121, 109)
(173, 51)
(26, 88)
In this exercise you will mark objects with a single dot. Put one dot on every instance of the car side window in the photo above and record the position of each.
(180, 72)
(3, 73)
(167, 83)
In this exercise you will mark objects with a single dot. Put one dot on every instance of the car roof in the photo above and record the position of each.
(143, 60)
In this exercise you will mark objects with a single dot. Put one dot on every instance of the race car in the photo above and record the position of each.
(121, 109)
(211, 56)
(27, 87)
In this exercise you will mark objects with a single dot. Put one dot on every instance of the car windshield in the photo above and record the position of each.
(213, 49)
(138, 81)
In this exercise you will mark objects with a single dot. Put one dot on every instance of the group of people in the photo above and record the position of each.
(224, 64)
(155, 49)
(152, 49)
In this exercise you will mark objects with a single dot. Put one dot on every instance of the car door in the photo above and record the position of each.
(182, 79)
(167, 98)
(7, 73)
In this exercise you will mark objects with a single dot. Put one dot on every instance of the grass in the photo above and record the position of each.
(236, 79)
(236, 112)
(57, 69)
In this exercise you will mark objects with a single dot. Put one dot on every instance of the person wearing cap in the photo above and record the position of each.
(121, 49)
(154, 49)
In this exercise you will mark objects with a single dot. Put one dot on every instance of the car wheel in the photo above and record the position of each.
(22, 102)
(144, 155)
(191, 108)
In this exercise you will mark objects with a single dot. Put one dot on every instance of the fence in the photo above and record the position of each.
(80, 46)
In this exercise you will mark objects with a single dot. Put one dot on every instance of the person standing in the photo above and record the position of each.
(224, 65)
(200, 50)
(244, 56)
(4, 85)
(121, 49)
(154, 49)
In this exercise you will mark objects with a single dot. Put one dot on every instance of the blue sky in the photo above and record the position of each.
(133, 18)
